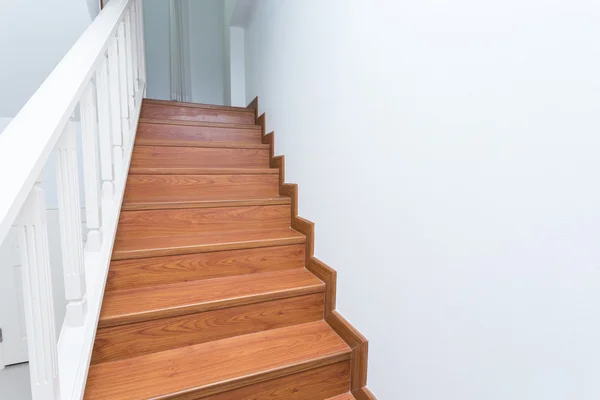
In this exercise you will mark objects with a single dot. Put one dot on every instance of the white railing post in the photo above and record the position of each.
(37, 296)
(142, 46)
(69, 213)
(105, 135)
(124, 85)
(115, 108)
(135, 46)
(89, 134)
(129, 60)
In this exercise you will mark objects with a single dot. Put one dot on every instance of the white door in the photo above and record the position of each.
(13, 348)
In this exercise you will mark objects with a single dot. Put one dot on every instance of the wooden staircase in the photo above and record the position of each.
(213, 291)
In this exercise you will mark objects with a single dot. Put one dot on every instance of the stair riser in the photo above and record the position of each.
(157, 188)
(151, 223)
(168, 333)
(196, 114)
(129, 274)
(319, 383)
(174, 133)
(195, 157)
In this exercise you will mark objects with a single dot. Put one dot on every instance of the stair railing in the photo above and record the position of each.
(93, 95)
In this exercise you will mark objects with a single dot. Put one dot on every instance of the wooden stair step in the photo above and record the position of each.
(189, 221)
(205, 132)
(177, 112)
(157, 205)
(199, 188)
(132, 340)
(197, 105)
(201, 171)
(129, 274)
(215, 367)
(197, 143)
(198, 157)
(150, 303)
(345, 396)
(131, 247)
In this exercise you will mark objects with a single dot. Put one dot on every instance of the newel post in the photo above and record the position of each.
(69, 214)
(37, 296)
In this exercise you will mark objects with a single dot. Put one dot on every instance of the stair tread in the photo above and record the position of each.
(206, 202)
(217, 366)
(176, 142)
(176, 112)
(202, 242)
(198, 105)
(153, 302)
(345, 396)
(202, 171)
(164, 121)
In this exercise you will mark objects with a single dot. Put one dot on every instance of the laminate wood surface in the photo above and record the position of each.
(308, 385)
(129, 274)
(160, 111)
(215, 367)
(201, 171)
(202, 124)
(198, 157)
(170, 188)
(195, 143)
(273, 201)
(148, 303)
(345, 396)
(206, 133)
(197, 105)
(364, 394)
(141, 338)
(129, 248)
(149, 223)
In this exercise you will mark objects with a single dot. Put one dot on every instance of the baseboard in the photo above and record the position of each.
(357, 342)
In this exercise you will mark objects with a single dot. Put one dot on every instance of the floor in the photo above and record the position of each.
(14, 382)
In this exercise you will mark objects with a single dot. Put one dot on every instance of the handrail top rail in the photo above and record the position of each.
(30, 137)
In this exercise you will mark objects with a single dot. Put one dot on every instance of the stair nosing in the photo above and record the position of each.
(203, 306)
(163, 205)
(169, 103)
(201, 171)
(201, 124)
(141, 142)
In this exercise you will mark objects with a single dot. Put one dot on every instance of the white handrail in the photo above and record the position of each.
(102, 79)
(31, 136)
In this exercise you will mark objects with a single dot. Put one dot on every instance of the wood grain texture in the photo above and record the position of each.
(149, 223)
(202, 124)
(201, 171)
(160, 111)
(129, 248)
(308, 385)
(129, 274)
(274, 201)
(205, 133)
(166, 188)
(141, 338)
(345, 396)
(364, 394)
(196, 105)
(328, 275)
(215, 367)
(195, 143)
(149, 303)
(198, 157)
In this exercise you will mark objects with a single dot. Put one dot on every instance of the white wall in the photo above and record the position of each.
(237, 69)
(206, 21)
(34, 37)
(449, 155)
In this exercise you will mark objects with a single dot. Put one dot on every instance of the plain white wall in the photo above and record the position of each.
(449, 155)
(34, 37)
(237, 67)
(206, 21)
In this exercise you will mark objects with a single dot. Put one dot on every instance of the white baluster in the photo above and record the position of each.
(89, 135)
(142, 41)
(105, 135)
(129, 59)
(124, 84)
(135, 50)
(69, 213)
(37, 296)
(115, 109)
